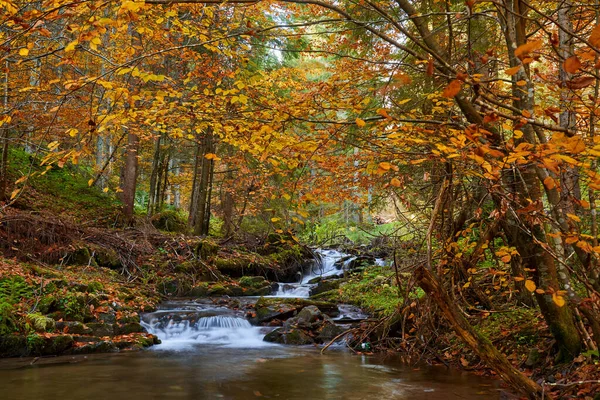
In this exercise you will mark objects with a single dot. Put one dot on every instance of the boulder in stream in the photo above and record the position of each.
(308, 327)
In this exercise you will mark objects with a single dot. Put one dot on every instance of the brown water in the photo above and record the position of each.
(211, 372)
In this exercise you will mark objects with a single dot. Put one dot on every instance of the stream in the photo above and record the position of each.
(210, 350)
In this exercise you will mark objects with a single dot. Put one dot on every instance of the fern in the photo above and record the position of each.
(14, 289)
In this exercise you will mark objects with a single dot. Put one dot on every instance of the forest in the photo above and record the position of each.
(269, 165)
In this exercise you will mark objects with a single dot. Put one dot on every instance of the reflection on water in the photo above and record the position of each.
(212, 372)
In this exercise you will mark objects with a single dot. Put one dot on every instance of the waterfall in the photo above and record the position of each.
(328, 263)
(181, 329)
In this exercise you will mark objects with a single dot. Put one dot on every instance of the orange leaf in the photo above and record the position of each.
(595, 37)
(527, 48)
(549, 183)
(530, 285)
(558, 300)
(581, 82)
(572, 64)
(452, 89)
(396, 182)
(512, 71)
(430, 67)
(360, 123)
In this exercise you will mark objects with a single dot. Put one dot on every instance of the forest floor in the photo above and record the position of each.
(72, 281)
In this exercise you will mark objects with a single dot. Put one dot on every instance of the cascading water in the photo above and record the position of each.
(327, 264)
(192, 324)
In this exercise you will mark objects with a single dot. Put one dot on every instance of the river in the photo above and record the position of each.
(210, 351)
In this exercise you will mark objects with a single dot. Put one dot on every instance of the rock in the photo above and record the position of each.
(325, 286)
(267, 313)
(533, 358)
(86, 339)
(73, 327)
(131, 327)
(307, 318)
(339, 264)
(101, 329)
(199, 290)
(206, 249)
(105, 346)
(218, 290)
(13, 346)
(59, 344)
(292, 337)
(361, 262)
(315, 280)
(268, 309)
(107, 317)
(328, 331)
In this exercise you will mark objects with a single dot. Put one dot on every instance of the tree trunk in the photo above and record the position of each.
(478, 343)
(130, 172)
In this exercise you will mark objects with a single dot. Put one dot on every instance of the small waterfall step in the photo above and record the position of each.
(329, 263)
(179, 329)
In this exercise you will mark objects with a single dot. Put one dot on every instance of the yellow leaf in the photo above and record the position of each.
(360, 123)
(396, 182)
(90, 182)
(275, 219)
(24, 52)
(530, 285)
(105, 190)
(71, 46)
(517, 134)
(14, 193)
(574, 217)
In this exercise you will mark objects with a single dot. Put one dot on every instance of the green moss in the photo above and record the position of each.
(60, 190)
(373, 290)
(206, 249)
(170, 221)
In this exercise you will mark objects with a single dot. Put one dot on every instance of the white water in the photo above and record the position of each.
(219, 330)
(324, 266)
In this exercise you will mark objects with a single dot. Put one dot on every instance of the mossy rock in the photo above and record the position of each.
(101, 329)
(174, 286)
(106, 257)
(169, 221)
(219, 290)
(206, 249)
(126, 329)
(73, 327)
(105, 346)
(254, 282)
(295, 337)
(325, 286)
(200, 290)
(13, 346)
(81, 255)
